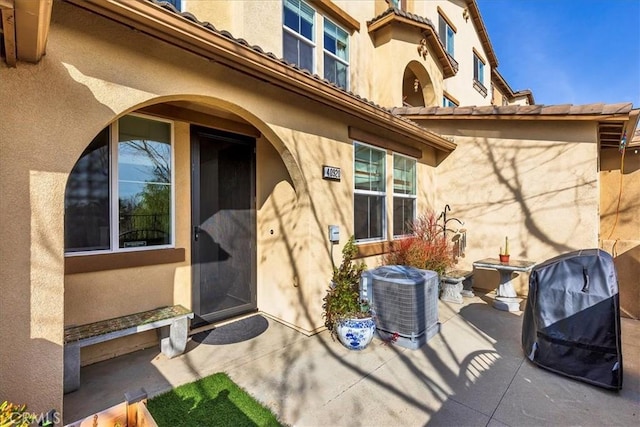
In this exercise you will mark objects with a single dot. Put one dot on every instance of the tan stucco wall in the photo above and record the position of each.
(536, 182)
(94, 72)
(621, 236)
(465, 40)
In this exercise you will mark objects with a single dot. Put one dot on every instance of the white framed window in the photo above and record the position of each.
(404, 194)
(447, 34)
(298, 43)
(478, 74)
(478, 69)
(369, 193)
(336, 54)
(447, 102)
(120, 193)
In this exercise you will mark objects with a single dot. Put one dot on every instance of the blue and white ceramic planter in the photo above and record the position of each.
(356, 334)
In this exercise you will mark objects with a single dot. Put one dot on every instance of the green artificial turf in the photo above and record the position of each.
(211, 401)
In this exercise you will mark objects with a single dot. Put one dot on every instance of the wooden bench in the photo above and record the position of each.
(452, 286)
(172, 324)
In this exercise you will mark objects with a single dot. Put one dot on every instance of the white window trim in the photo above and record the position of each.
(303, 39)
(372, 193)
(476, 71)
(444, 38)
(114, 223)
(403, 195)
(331, 54)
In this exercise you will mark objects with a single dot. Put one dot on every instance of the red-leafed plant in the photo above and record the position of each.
(427, 248)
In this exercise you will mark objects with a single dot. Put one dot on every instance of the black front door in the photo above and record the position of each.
(223, 224)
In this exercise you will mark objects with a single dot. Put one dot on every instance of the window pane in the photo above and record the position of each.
(291, 18)
(330, 68)
(342, 47)
(306, 56)
(475, 67)
(369, 214)
(306, 29)
(290, 48)
(145, 214)
(404, 175)
(329, 42)
(369, 169)
(86, 202)
(341, 74)
(336, 40)
(450, 40)
(144, 182)
(404, 212)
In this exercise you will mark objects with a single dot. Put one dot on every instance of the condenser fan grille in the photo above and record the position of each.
(405, 301)
(400, 308)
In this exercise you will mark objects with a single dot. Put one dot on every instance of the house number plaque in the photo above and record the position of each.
(331, 173)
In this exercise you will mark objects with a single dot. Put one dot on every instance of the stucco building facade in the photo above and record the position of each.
(114, 111)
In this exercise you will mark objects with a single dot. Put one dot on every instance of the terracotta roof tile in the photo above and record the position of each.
(530, 109)
(404, 14)
(443, 111)
(484, 110)
(555, 109)
(617, 108)
(463, 110)
(506, 109)
(520, 110)
(189, 16)
(429, 110)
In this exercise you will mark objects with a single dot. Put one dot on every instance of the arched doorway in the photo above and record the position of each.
(189, 251)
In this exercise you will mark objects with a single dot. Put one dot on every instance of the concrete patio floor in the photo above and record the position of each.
(472, 373)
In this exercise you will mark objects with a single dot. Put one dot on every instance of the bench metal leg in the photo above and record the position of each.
(71, 367)
(173, 339)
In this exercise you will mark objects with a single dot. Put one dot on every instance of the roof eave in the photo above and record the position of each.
(175, 29)
(448, 69)
(474, 11)
(26, 29)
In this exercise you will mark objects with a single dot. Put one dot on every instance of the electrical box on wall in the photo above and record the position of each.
(334, 233)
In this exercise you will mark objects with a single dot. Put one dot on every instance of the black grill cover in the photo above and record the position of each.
(571, 322)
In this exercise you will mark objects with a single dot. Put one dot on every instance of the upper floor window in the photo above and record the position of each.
(447, 102)
(298, 40)
(369, 193)
(398, 4)
(336, 54)
(404, 194)
(119, 194)
(478, 69)
(446, 33)
(176, 3)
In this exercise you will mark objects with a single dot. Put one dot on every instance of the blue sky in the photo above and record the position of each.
(567, 51)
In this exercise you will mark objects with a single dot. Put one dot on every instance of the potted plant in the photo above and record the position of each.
(346, 316)
(504, 252)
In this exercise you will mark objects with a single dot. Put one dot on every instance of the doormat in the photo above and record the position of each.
(241, 330)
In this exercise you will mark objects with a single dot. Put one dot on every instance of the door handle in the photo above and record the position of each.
(196, 233)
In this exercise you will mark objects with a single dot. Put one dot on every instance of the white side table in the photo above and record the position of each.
(506, 297)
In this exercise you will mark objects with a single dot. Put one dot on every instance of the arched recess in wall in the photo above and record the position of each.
(93, 161)
(417, 87)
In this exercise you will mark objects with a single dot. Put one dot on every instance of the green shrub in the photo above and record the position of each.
(342, 300)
